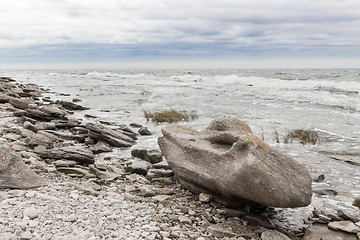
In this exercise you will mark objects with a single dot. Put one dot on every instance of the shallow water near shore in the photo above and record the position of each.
(327, 101)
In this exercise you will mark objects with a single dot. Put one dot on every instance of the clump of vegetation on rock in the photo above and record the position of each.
(169, 116)
(304, 136)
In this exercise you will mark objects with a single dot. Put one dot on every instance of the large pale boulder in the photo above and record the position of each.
(229, 162)
(14, 173)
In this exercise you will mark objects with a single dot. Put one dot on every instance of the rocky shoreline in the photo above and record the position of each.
(92, 193)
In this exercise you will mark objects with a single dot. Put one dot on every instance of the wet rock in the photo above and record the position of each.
(144, 131)
(324, 191)
(319, 178)
(345, 226)
(139, 167)
(71, 105)
(127, 131)
(14, 173)
(100, 147)
(136, 125)
(77, 154)
(152, 156)
(273, 235)
(140, 153)
(356, 202)
(227, 161)
(115, 138)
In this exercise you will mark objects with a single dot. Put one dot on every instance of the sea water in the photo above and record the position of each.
(269, 101)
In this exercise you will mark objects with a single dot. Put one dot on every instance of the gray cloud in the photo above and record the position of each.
(229, 25)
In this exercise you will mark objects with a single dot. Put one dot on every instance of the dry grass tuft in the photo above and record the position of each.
(304, 136)
(169, 116)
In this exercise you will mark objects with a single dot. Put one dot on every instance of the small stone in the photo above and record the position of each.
(155, 156)
(30, 194)
(184, 219)
(159, 173)
(26, 235)
(144, 131)
(33, 224)
(136, 125)
(18, 147)
(356, 202)
(3, 196)
(139, 167)
(346, 226)
(70, 218)
(160, 198)
(39, 149)
(31, 213)
(147, 192)
(205, 198)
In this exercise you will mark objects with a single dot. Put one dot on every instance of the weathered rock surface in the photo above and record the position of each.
(14, 173)
(227, 161)
(77, 154)
(346, 226)
(115, 138)
(321, 231)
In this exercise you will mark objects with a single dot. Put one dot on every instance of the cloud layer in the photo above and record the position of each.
(171, 28)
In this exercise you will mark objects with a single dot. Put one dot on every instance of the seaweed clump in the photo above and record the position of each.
(304, 136)
(169, 116)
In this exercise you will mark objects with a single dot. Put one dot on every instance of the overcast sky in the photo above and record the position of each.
(227, 31)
